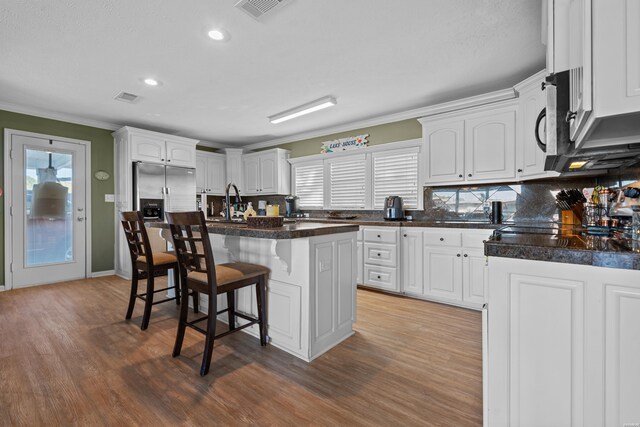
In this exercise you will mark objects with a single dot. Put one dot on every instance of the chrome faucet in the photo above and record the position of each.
(227, 209)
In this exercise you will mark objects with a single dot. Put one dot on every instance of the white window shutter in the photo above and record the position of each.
(308, 179)
(347, 182)
(395, 173)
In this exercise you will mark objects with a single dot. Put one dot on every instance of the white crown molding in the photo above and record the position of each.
(212, 144)
(486, 98)
(69, 118)
(533, 80)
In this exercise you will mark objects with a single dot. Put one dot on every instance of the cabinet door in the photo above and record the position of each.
(268, 178)
(474, 272)
(411, 262)
(250, 168)
(181, 154)
(444, 152)
(146, 149)
(201, 174)
(579, 29)
(443, 273)
(360, 261)
(216, 175)
(530, 157)
(490, 142)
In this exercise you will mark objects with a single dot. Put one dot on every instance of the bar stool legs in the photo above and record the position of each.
(261, 297)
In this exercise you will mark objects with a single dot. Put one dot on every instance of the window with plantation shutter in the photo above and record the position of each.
(347, 182)
(308, 181)
(395, 173)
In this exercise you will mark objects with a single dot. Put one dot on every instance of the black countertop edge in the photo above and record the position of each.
(622, 260)
(287, 231)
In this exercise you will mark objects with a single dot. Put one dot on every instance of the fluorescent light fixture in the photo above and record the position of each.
(577, 164)
(151, 82)
(319, 104)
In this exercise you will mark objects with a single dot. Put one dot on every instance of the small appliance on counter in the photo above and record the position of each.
(393, 208)
(496, 212)
(292, 207)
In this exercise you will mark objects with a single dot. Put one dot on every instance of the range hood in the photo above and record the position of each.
(597, 159)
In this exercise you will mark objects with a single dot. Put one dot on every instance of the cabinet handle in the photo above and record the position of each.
(520, 170)
(378, 236)
(458, 255)
(378, 254)
(379, 277)
(168, 160)
(442, 239)
(469, 175)
(405, 235)
(571, 115)
(460, 176)
(162, 160)
(465, 255)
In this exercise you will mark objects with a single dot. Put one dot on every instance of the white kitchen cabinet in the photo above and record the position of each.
(266, 172)
(380, 247)
(133, 145)
(411, 261)
(490, 143)
(211, 173)
(443, 273)
(531, 101)
(360, 261)
(474, 278)
(598, 42)
(444, 151)
(474, 145)
(562, 344)
(154, 147)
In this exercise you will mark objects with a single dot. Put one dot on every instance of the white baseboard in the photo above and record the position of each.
(103, 273)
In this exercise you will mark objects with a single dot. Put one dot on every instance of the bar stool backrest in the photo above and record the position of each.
(137, 238)
(192, 245)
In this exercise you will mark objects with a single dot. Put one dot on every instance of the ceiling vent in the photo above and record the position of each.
(126, 97)
(258, 8)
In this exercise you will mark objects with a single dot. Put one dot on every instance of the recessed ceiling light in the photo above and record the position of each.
(318, 104)
(218, 34)
(151, 82)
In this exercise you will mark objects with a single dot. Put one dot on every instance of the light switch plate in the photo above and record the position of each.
(109, 198)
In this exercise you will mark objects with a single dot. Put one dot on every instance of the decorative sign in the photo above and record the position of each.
(343, 144)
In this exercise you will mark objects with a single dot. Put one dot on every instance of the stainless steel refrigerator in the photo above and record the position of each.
(159, 189)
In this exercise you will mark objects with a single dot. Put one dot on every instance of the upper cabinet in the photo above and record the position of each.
(598, 42)
(266, 172)
(473, 145)
(211, 173)
(154, 147)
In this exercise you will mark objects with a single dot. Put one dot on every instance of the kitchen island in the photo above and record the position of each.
(311, 292)
(563, 327)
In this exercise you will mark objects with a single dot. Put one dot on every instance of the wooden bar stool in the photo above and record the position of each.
(145, 264)
(199, 273)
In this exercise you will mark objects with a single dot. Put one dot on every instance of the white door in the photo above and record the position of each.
(250, 167)
(268, 174)
(48, 216)
(473, 276)
(444, 152)
(202, 174)
(216, 173)
(490, 144)
(183, 155)
(443, 273)
(530, 157)
(411, 261)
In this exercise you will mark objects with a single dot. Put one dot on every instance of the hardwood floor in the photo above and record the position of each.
(67, 356)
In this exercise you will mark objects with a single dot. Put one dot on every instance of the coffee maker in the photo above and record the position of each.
(292, 207)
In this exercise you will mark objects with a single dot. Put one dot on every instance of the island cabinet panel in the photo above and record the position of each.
(622, 369)
(562, 343)
(547, 348)
(284, 314)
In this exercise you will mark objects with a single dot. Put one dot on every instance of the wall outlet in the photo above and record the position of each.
(109, 198)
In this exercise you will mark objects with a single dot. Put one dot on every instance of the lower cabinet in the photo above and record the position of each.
(474, 276)
(360, 260)
(562, 344)
(443, 273)
(380, 258)
(410, 260)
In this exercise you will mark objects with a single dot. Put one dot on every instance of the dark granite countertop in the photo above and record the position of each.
(417, 223)
(287, 231)
(566, 246)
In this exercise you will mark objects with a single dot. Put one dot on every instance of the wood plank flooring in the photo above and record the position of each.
(68, 357)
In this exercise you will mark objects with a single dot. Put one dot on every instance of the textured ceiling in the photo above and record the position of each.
(377, 57)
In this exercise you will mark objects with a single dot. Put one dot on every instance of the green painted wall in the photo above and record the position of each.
(381, 134)
(102, 226)
(205, 148)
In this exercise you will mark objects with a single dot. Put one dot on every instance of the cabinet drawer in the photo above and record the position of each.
(381, 235)
(386, 255)
(475, 239)
(381, 277)
(446, 238)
